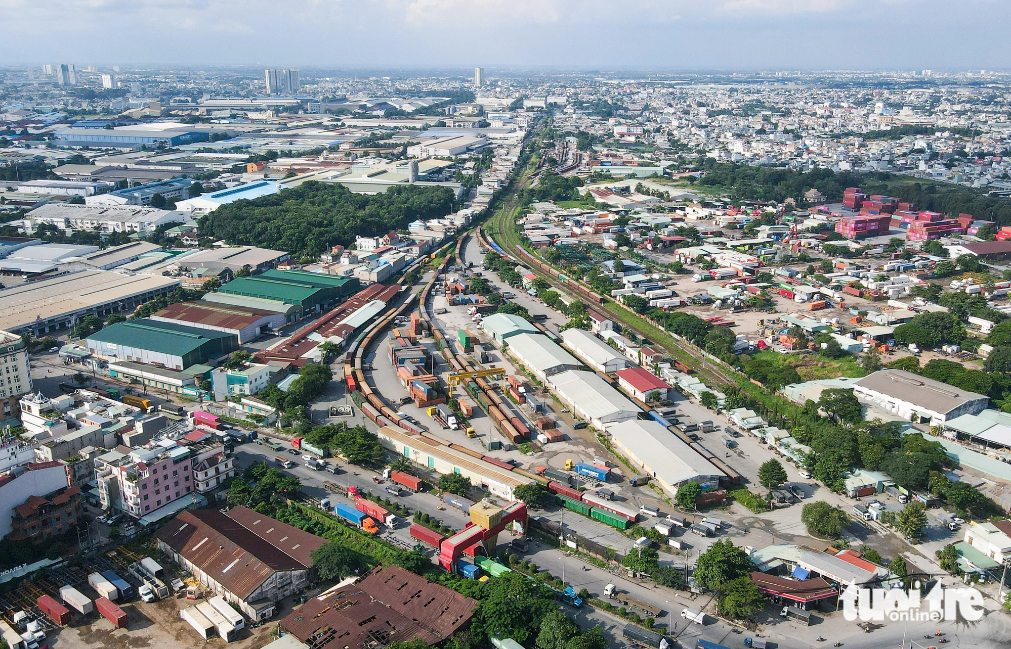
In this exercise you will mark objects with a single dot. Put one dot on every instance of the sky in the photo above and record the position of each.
(675, 35)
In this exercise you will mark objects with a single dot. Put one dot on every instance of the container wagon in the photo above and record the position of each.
(565, 490)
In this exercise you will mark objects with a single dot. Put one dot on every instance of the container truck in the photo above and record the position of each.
(378, 513)
(755, 643)
(76, 600)
(796, 614)
(628, 601)
(111, 612)
(103, 586)
(644, 637)
(459, 502)
(355, 517)
(406, 479)
(56, 612)
(570, 597)
(425, 535)
(124, 587)
(698, 617)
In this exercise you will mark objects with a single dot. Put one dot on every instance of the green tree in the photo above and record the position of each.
(912, 520)
(708, 400)
(772, 475)
(592, 639)
(158, 201)
(948, 557)
(841, 405)
(931, 329)
(335, 561)
(871, 360)
(557, 629)
(512, 606)
(454, 483)
(740, 598)
(236, 361)
(687, 495)
(999, 360)
(871, 554)
(416, 561)
(87, 325)
(906, 363)
(722, 563)
(823, 520)
(533, 494)
(898, 567)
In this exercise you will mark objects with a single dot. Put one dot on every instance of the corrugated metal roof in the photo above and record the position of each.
(162, 337)
(918, 390)
(213, 315)
(591, 394)
(540, 352)
(270, 289)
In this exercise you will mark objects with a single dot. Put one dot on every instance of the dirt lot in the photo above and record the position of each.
(155, 625)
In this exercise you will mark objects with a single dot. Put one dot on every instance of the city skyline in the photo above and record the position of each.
(564, 34)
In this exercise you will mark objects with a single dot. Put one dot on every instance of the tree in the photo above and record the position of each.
(722, 563)
(871, 360)
(592, 639)
(841, 405)
(906, 363)
(415, 561)
(557, 629)
(909, 470)
(931, 329)
(871, 554)
(999, 360)
(512, 606)
(912, 520)
(328, 350)
(708, 400)
(687, 495)
(831, 349)
(934, 247)
(236, 361)
(985, 232)
(336, 561)
(823, 520)
(87, 326)
(454, 483)
(948, 557)
(158, 201)
(962, 496)
(196, 189)
(772, 475)
(533, 494)
(655, 395)
(740, 598)
(898, 567)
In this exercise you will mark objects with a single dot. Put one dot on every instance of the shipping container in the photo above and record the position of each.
(111, 612)
(426, 535)
(459, 502)
(574, 505)
(598, 473)
(406, 479)
(615, 508)
(57, 612)
(559, 476)
(229, 613)
(378, 513)
(125, 589)
(204, 627)
(613, 520)
(103, 586)
(76, 600)
(152, 568)
(643, 637)
(468, 570)
(349, 513)
(564, 490)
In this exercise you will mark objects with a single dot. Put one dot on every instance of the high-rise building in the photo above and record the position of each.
(66, 75)
(108, 81)
(135, 88)
(47, 69)
(17, 379)
(479, 77)
(282, 82)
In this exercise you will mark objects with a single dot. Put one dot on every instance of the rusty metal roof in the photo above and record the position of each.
(295, 543)
(390, 604)
(236, 557)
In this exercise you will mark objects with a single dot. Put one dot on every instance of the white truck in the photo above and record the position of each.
(698, 617)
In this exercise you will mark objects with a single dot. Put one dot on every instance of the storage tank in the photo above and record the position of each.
(76, 600)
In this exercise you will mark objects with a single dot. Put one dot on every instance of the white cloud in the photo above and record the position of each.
(786, 6)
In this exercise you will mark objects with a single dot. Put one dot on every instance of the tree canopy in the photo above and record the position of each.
(309, 219)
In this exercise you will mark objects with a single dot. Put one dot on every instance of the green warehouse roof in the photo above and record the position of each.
(161, 337)
(286, 291)
(319, 280)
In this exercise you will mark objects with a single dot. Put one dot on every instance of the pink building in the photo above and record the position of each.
(153, 478)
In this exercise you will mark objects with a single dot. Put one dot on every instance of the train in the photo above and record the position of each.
(612, 514)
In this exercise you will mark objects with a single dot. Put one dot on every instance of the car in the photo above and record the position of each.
(958, 521)
(693, 437)
(520, 544)
(292, 451)
(805, 475)
(53, 350)
(579, 424)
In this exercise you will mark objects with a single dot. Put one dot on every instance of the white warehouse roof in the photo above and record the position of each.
(662, 454)
(592, 397)
(592, 349)
(541, 354)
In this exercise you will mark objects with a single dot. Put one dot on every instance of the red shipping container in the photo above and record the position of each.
(517, 396)
(559, 488)
(111, 612)
(497, 462)
(514, 381)
(372, 509)
(57, 612)
(406, 479)
(520, 427)
(426, 535)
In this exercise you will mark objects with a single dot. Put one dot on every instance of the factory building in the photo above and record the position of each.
(162, 344)
(594, 352)
(664, 457)
(592, 399)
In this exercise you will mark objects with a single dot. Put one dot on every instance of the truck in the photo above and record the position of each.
(570, 597)
(147, 594)
(137, 402)
(628, 601)
(406, 480)
(76, 600)
(151, 567)
(715, 522)
(796, 614)
(862, 512)
(375, 511)
(690, 614)
(644, 637)
(707, 426)
(284, 462)
(355, 517)
(729, 443)
(103, 586)
(896, 493)
(315, 464)
(639, 480)
(56, 612)
(425, 535)
(755, 643)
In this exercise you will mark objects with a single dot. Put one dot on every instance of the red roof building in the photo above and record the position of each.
(641, 384)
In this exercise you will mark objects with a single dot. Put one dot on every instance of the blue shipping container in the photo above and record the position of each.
(705, 644)
(468, 570)
(592, 471)
(124, 588)
(349, 513)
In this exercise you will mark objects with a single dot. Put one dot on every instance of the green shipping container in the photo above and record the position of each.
(609, 518)
(483, 400)
(575, 505)
(464, 337)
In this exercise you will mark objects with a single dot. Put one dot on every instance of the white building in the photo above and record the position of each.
(15, 373)
(912, 396)
(205, 203)
(541, 355)
(45, 479)
(991, 539)
(592, 399)
(594, 352)
(664, 457)
(42, 417)
(446, 146)
(249, 380)
(80, 188)
(106, 218)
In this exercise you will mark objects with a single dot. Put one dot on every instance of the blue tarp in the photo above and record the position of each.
(800, 573)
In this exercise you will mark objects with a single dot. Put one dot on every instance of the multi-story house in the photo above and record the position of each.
(43, 517)
(15, 373)
(211, 467)
(153, 477)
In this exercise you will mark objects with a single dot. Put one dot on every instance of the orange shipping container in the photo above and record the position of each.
(466, 407)
(817, 304)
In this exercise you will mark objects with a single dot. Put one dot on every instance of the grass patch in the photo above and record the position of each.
(813, 366)
(752, 501)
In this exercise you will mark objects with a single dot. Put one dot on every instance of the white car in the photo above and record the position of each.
(805, 475)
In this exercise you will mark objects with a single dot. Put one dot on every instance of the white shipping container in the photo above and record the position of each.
(974, 289)
(76, 600)
(198, 621)
(103, 586)
(229, 613)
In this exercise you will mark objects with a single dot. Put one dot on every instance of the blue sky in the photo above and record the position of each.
(600, 34)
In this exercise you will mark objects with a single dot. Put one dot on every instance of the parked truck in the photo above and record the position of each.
(152, 568)
(595, 472)
(644, 637)
(570, 597)
(897, 493)
(355, 517)
(406, 479)
(628, 601)
(796, 614)
(376, 512)
(690, 614)
(76, 600)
